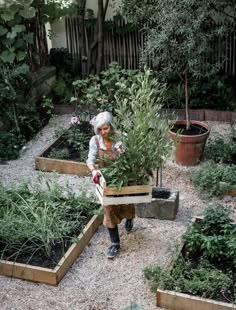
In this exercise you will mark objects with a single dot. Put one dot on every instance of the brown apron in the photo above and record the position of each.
(113, 214)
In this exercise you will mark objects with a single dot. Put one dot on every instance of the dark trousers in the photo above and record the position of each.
(114, 235)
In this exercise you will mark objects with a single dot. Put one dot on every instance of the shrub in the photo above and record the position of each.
(213, 178)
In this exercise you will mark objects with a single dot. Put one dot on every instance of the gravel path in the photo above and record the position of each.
(93, 282)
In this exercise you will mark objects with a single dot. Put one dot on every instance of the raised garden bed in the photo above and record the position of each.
(73, 149)
(126, 195)
(52, 276)
(44, 227)
(223, 265)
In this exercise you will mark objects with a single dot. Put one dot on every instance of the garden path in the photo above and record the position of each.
(93, 282)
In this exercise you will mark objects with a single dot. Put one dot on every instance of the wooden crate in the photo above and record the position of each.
(47, 275)
(59, 165)
(179, 301)
(127, 194)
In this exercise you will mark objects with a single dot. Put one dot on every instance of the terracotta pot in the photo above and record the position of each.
(189, 149)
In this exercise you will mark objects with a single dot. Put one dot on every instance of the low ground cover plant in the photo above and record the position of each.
(73, 143)
(214, 178)
(39, 221)
(221, 150)
(206, 265)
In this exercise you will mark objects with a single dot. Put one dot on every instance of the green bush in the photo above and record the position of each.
(213, 178)
(221, 150)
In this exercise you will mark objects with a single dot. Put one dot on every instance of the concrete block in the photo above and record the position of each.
(164, 205)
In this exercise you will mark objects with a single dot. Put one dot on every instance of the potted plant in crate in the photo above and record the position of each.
(179, 42)
(143, 130)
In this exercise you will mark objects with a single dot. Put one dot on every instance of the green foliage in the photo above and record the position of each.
(17, 111)
(142, 129)
(75, 139)
(36, 218)
(59, 153)
(201, 269)
(214, 178)
(15, 37)
(213, 236)
(216, 92)
(202, 280)
(100, 91)
(221, 150)
(9, 146)
(61, 91)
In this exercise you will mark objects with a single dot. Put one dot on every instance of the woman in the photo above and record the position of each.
(100, 145)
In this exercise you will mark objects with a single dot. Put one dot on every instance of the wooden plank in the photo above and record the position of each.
(76, 249)
(179, 301)
(47, 275)
(27, 272)
(126, 190)
(61, 166)
(109, 200)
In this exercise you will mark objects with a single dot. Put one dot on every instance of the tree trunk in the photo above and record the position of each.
(186, 100)
(82, 47)
(96, 49)
(100, 36)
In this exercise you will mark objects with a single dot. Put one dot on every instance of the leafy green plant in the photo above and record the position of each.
(59, 153)
(206, 264)
(38, 218)
(75, 140)
(142, 129)
(202, 280)
(213, 178)
(100, 91)
(212, 235)
(221, 150)
(9, 147)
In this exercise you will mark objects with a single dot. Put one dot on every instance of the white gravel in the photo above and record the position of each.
(93, 282)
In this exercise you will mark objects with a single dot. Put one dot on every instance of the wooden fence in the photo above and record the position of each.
(123, 43)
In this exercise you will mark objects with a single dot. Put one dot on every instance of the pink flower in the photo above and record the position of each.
(92, 121)
(119, 147)
(74, 120)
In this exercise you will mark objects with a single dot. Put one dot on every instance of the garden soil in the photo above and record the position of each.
(94, 282)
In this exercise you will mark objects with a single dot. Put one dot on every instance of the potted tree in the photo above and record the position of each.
(142, 128)
(178, 42)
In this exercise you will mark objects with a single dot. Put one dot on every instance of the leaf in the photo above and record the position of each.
(18, 28)
(20, 55)
(23, 69)
(8, 15)
(29, 37)
(2, 30)
(72, 99)
(19, 43)
(28, 12)
(7, 56)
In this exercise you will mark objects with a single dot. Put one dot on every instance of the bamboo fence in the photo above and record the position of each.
(123, 43)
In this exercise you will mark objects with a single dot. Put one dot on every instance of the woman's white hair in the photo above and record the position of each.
(101, 119)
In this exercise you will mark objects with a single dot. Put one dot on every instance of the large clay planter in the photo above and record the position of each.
(189, 149)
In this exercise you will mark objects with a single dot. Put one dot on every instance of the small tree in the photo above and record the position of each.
(178, 39)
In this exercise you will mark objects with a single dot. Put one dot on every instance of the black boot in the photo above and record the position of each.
(115, 242)
(129, 225)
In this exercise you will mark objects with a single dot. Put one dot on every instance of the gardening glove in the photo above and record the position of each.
(96, 175)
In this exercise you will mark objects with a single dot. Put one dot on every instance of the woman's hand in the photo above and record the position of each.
(96, 175)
